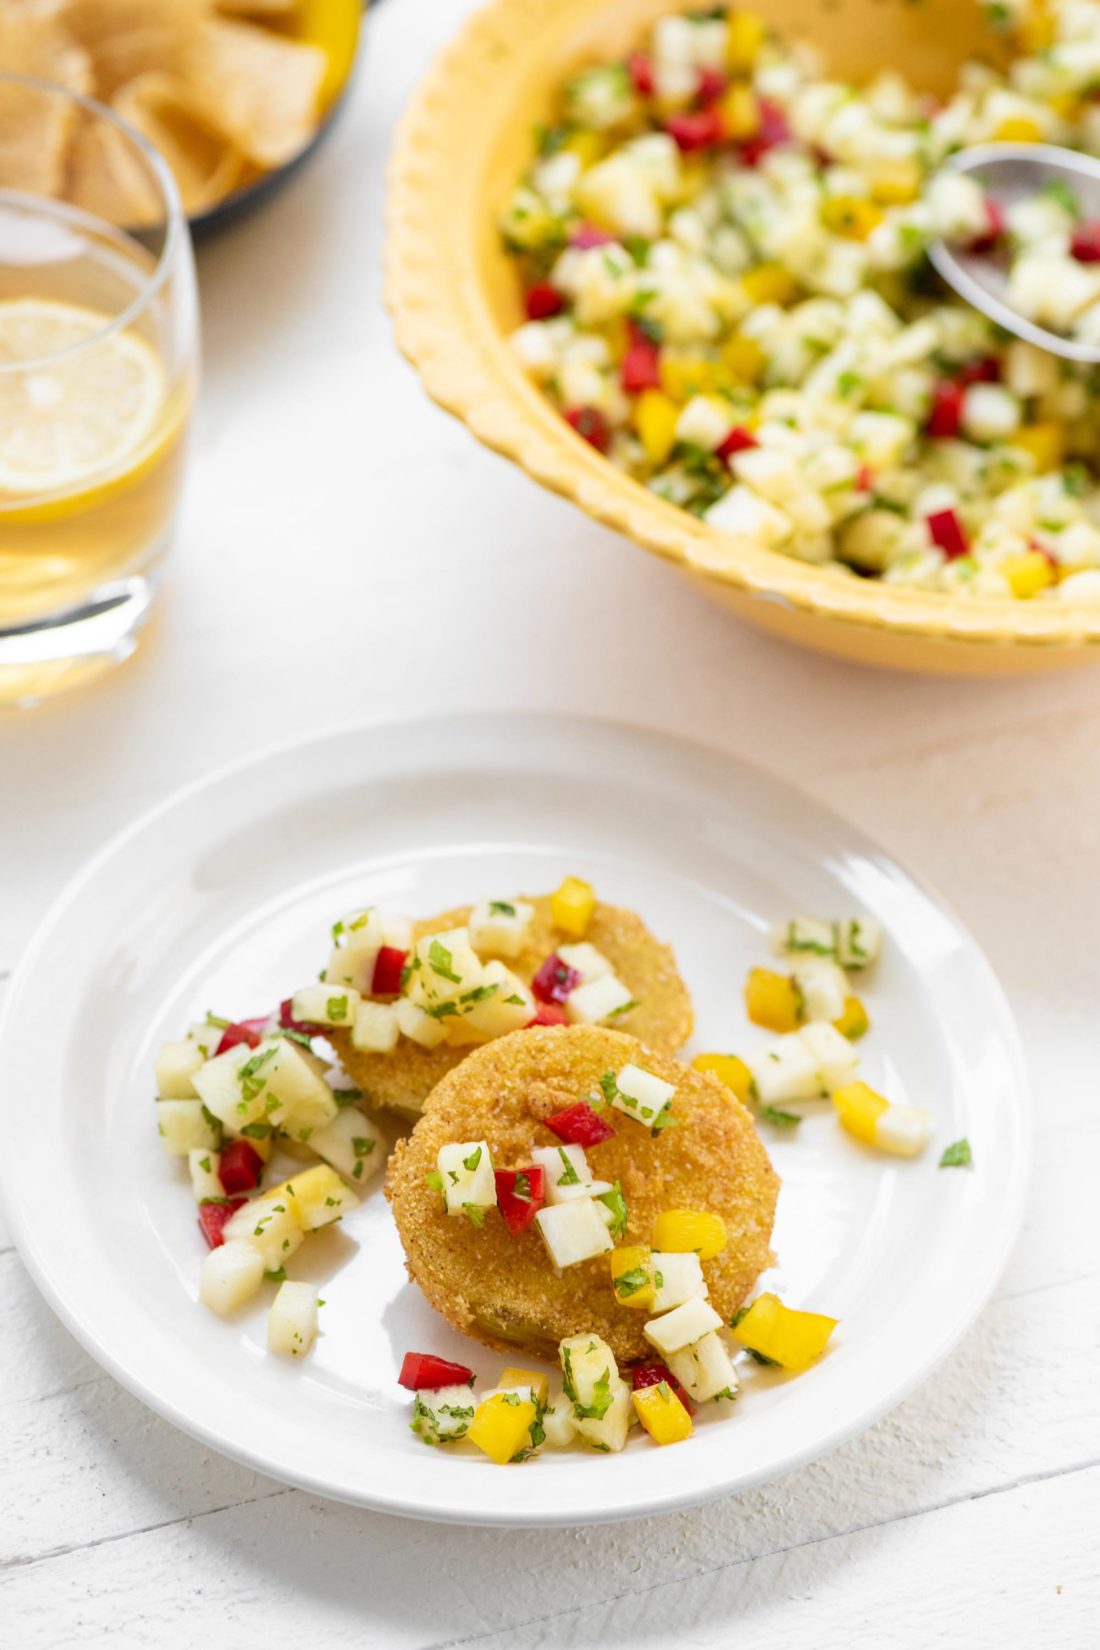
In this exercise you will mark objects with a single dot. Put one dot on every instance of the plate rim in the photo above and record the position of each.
(1009, 1220)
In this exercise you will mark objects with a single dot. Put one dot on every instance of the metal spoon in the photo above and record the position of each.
(1012, 172)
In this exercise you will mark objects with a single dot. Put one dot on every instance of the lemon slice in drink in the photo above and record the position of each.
(72, 413)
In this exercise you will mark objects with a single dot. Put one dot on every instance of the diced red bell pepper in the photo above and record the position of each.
(739, 440)
(519, 1207)
(213, 1216)
(641, 368)
(865, 479)
(985, 370)
(242, 1031)
(772, 132)
(579, 1125)
(640, 69)
(586, 236)
(240, 1167)
(1085, 243)
(702, 130)
(549, 1014)
(555, 980)
(389, 966)
(948, 532)
(712, 83)
(543, 301)
(422, 1371)
(304, 1028)
(652, 1374)
(945, 418)
(993, 233)
(591, 424)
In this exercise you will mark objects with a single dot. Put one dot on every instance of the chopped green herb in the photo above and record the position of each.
(521, 1188)
(256, 1131)
(665, 1120)
(502, 908)
(479, 993)
(337, 1008)
(629, 1283)
(217, 1020)
(473, 1160)
(778, 1118)
(434, 1179)
(476, 1213)
(958, 1155)
(443, 963)
(624, 1009)
(278, 1276)
(570, 1177)
(616, 1202)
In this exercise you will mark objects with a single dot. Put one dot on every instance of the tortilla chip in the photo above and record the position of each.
(127, 38)
(260, 90)
(34, 126)
(162, 107)
(107, 177)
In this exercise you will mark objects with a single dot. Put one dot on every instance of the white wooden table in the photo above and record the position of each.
(338, 528)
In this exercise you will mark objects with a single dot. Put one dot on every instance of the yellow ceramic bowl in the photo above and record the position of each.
(455, 297)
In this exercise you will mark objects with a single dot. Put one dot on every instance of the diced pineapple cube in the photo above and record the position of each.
(583, 957)
(417, 1024)
(772, 1000)
(292, 1319)
(823, 986)
(597, 1000)
(677, 1278)
(219, 1086)
(502, 1003)
(588, 1367)
(786, 1337)
(705, 1369)
(835, 1058)
(642, 1095)
(632, 1277)
(359, 937)
(683, 1326)
(271, 1225)
(206, 1036)
(231, 1275)
(498, 927)
(690, 1231)
(376, 1027)
(295, 1076)
(203, 1166)
(608, 1432)
(397, 933)
(177, 1063)
(325, 1004)
(466, 1168)
(572, 906)
(805, 936)
(443, 1414)
(443, 968)
(184, 1126)
(352, 1144)
(319, 1196)
(502, 1426)
(788, 1070)
(558, 1423)
(573, 1232)
(662, 1414)
(730, 1070)
(859, 941)
(564, 1168)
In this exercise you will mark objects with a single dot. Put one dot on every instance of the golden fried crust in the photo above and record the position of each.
(663, 1018)
(502, 1289)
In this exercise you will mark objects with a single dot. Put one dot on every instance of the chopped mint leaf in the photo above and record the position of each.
(278, 1276)
(479, 993)
(476, 1213)
(609, 1085)
(362, 1145)
(778, 1118)
(958, 1155)
(256, 1131)
(515, 1000)
(502, 908)
(217, 1020)
(665, 1120)
(570, 1177)
(443, 963)
(625, 1009)
(616, 1202)
(473, 1160)
(522, 1188)
(629, 1283)
(337, 1008)
(435, 1180)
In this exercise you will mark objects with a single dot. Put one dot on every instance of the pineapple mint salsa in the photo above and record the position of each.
(724, 268)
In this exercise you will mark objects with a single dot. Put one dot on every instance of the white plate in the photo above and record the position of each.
(221, 898)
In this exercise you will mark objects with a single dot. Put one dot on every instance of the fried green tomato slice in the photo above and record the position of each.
(501, 1289)
(662, 1018)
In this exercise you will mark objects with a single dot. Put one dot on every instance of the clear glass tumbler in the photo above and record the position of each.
(99, 348)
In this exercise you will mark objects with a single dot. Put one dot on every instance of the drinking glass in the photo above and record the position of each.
(98, 368)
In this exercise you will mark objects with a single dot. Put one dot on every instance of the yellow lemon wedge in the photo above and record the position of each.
(71, 413)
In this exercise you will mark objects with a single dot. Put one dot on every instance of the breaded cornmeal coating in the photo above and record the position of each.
(501, 1289)
(663, 1018)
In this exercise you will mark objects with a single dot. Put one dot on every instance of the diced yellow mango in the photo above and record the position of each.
(571, 907)
(746, 34)
(773, 1000)
(694, 177)
(784, 1336)
(740, 111)
(626, 1265)
(851, 216)
(1018, 129)
(1066, 105)
(769, 284)
(655, 415)
(526, 1377)
(502, 1427)
(1045, 442)
(744, 358)
(895, 182)
(859, 1109)
(728, 1069)
(855, 1021)
(617, 335)
(689, 1231)
(589, 145)
(1027, 574)
(662, 1414)
(683, 376)
(1035, 32)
